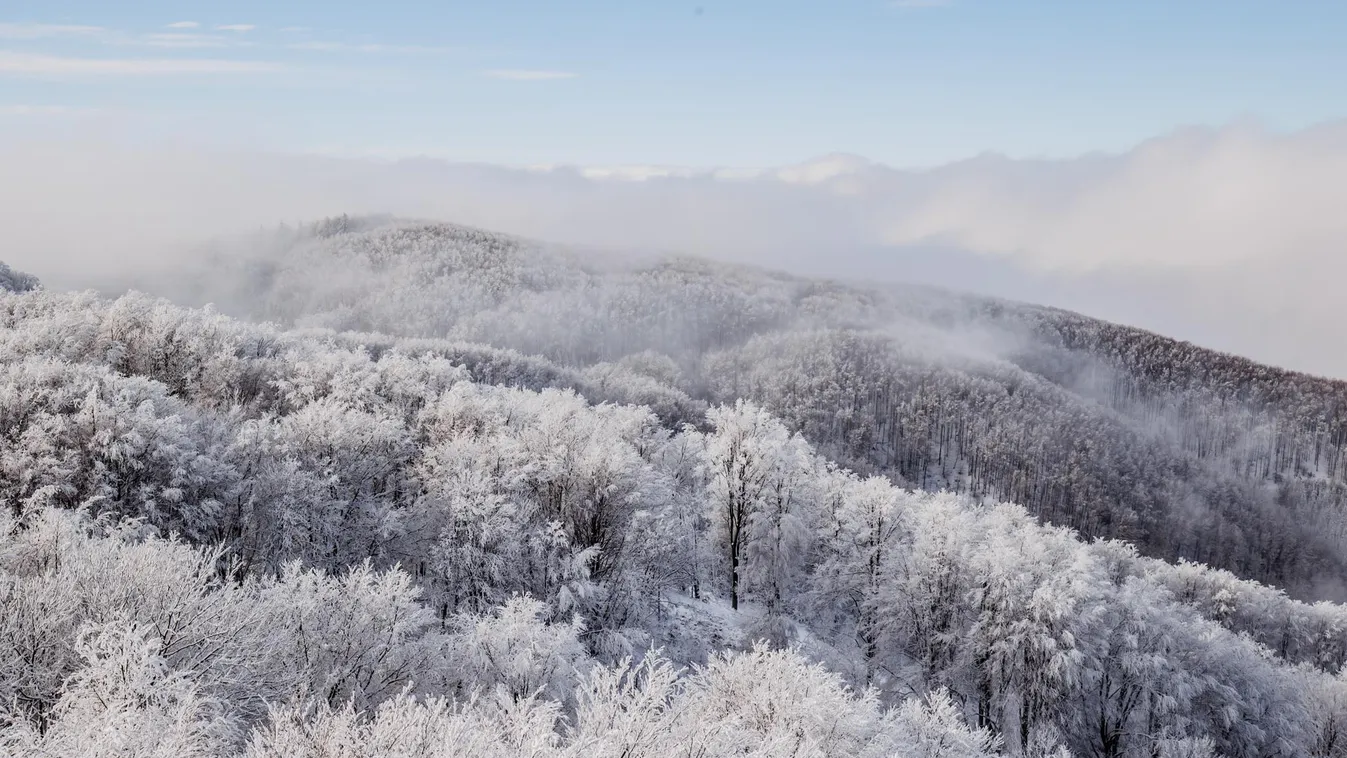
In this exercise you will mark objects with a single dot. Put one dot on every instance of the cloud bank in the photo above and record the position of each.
(1232, 237)
(32, 64)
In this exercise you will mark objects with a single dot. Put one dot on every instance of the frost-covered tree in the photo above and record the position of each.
(515, 652)
(126, 701)
(360, 637)
(266, 540)
(858, 545)
(760, 500)
(16, 281)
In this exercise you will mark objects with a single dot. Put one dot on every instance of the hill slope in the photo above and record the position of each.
(1112, 431)
(220, 538)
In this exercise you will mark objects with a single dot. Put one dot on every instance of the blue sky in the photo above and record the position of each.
(699, 83)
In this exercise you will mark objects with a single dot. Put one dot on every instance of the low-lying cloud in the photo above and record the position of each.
(1232, 237)
(1195, 198)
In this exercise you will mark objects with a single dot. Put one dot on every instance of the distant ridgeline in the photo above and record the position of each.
(1112, 431)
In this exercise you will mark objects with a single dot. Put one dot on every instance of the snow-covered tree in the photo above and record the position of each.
(126, 701)
(760, 500)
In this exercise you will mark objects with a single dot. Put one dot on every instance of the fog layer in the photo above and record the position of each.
(1227, 237)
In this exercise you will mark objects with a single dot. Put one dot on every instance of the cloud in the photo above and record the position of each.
(11, 31)
(343, 47)
(1229, 237)
(185, 40)
(50, 65)
(629, 173)
(103, 35)
(235, 27)
(1198, 197)
(319, 46)
(45, 110)
(528, 75)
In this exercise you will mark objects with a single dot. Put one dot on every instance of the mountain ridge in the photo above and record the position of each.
(201, 509)
(745, 497)
(1154, 440)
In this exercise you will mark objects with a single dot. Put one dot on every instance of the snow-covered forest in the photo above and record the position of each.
(420, 490)
(1114, 432)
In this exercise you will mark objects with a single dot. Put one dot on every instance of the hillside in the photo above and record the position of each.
(222, 538)
(1114, 432)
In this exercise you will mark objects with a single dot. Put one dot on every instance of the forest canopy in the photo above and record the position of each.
(461, 494)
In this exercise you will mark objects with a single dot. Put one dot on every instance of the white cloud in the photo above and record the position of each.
(51, 65)
(344, 47)
(45, 110)
(323, 47)
(1232, 237)
(181, 38)
(43, 31)
(823, 169)
(1193, 198)
(629, 173)
(185, 40)
(527, 75)
(235, 27)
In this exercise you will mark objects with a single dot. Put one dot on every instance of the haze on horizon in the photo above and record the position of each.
(1021, 149)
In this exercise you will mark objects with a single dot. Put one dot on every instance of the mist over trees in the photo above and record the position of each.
(16, 281)
(468, 496)
(1112, 431)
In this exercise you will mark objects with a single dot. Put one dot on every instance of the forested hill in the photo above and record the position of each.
(227, 540)
(1110, 430)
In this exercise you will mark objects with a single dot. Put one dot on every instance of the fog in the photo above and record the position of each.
(1228, 237)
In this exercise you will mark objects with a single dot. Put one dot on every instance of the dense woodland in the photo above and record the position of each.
(565, 506)
(1114, 432)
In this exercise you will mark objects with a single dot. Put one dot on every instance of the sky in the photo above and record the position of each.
(700, 83)
(1176, 166)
